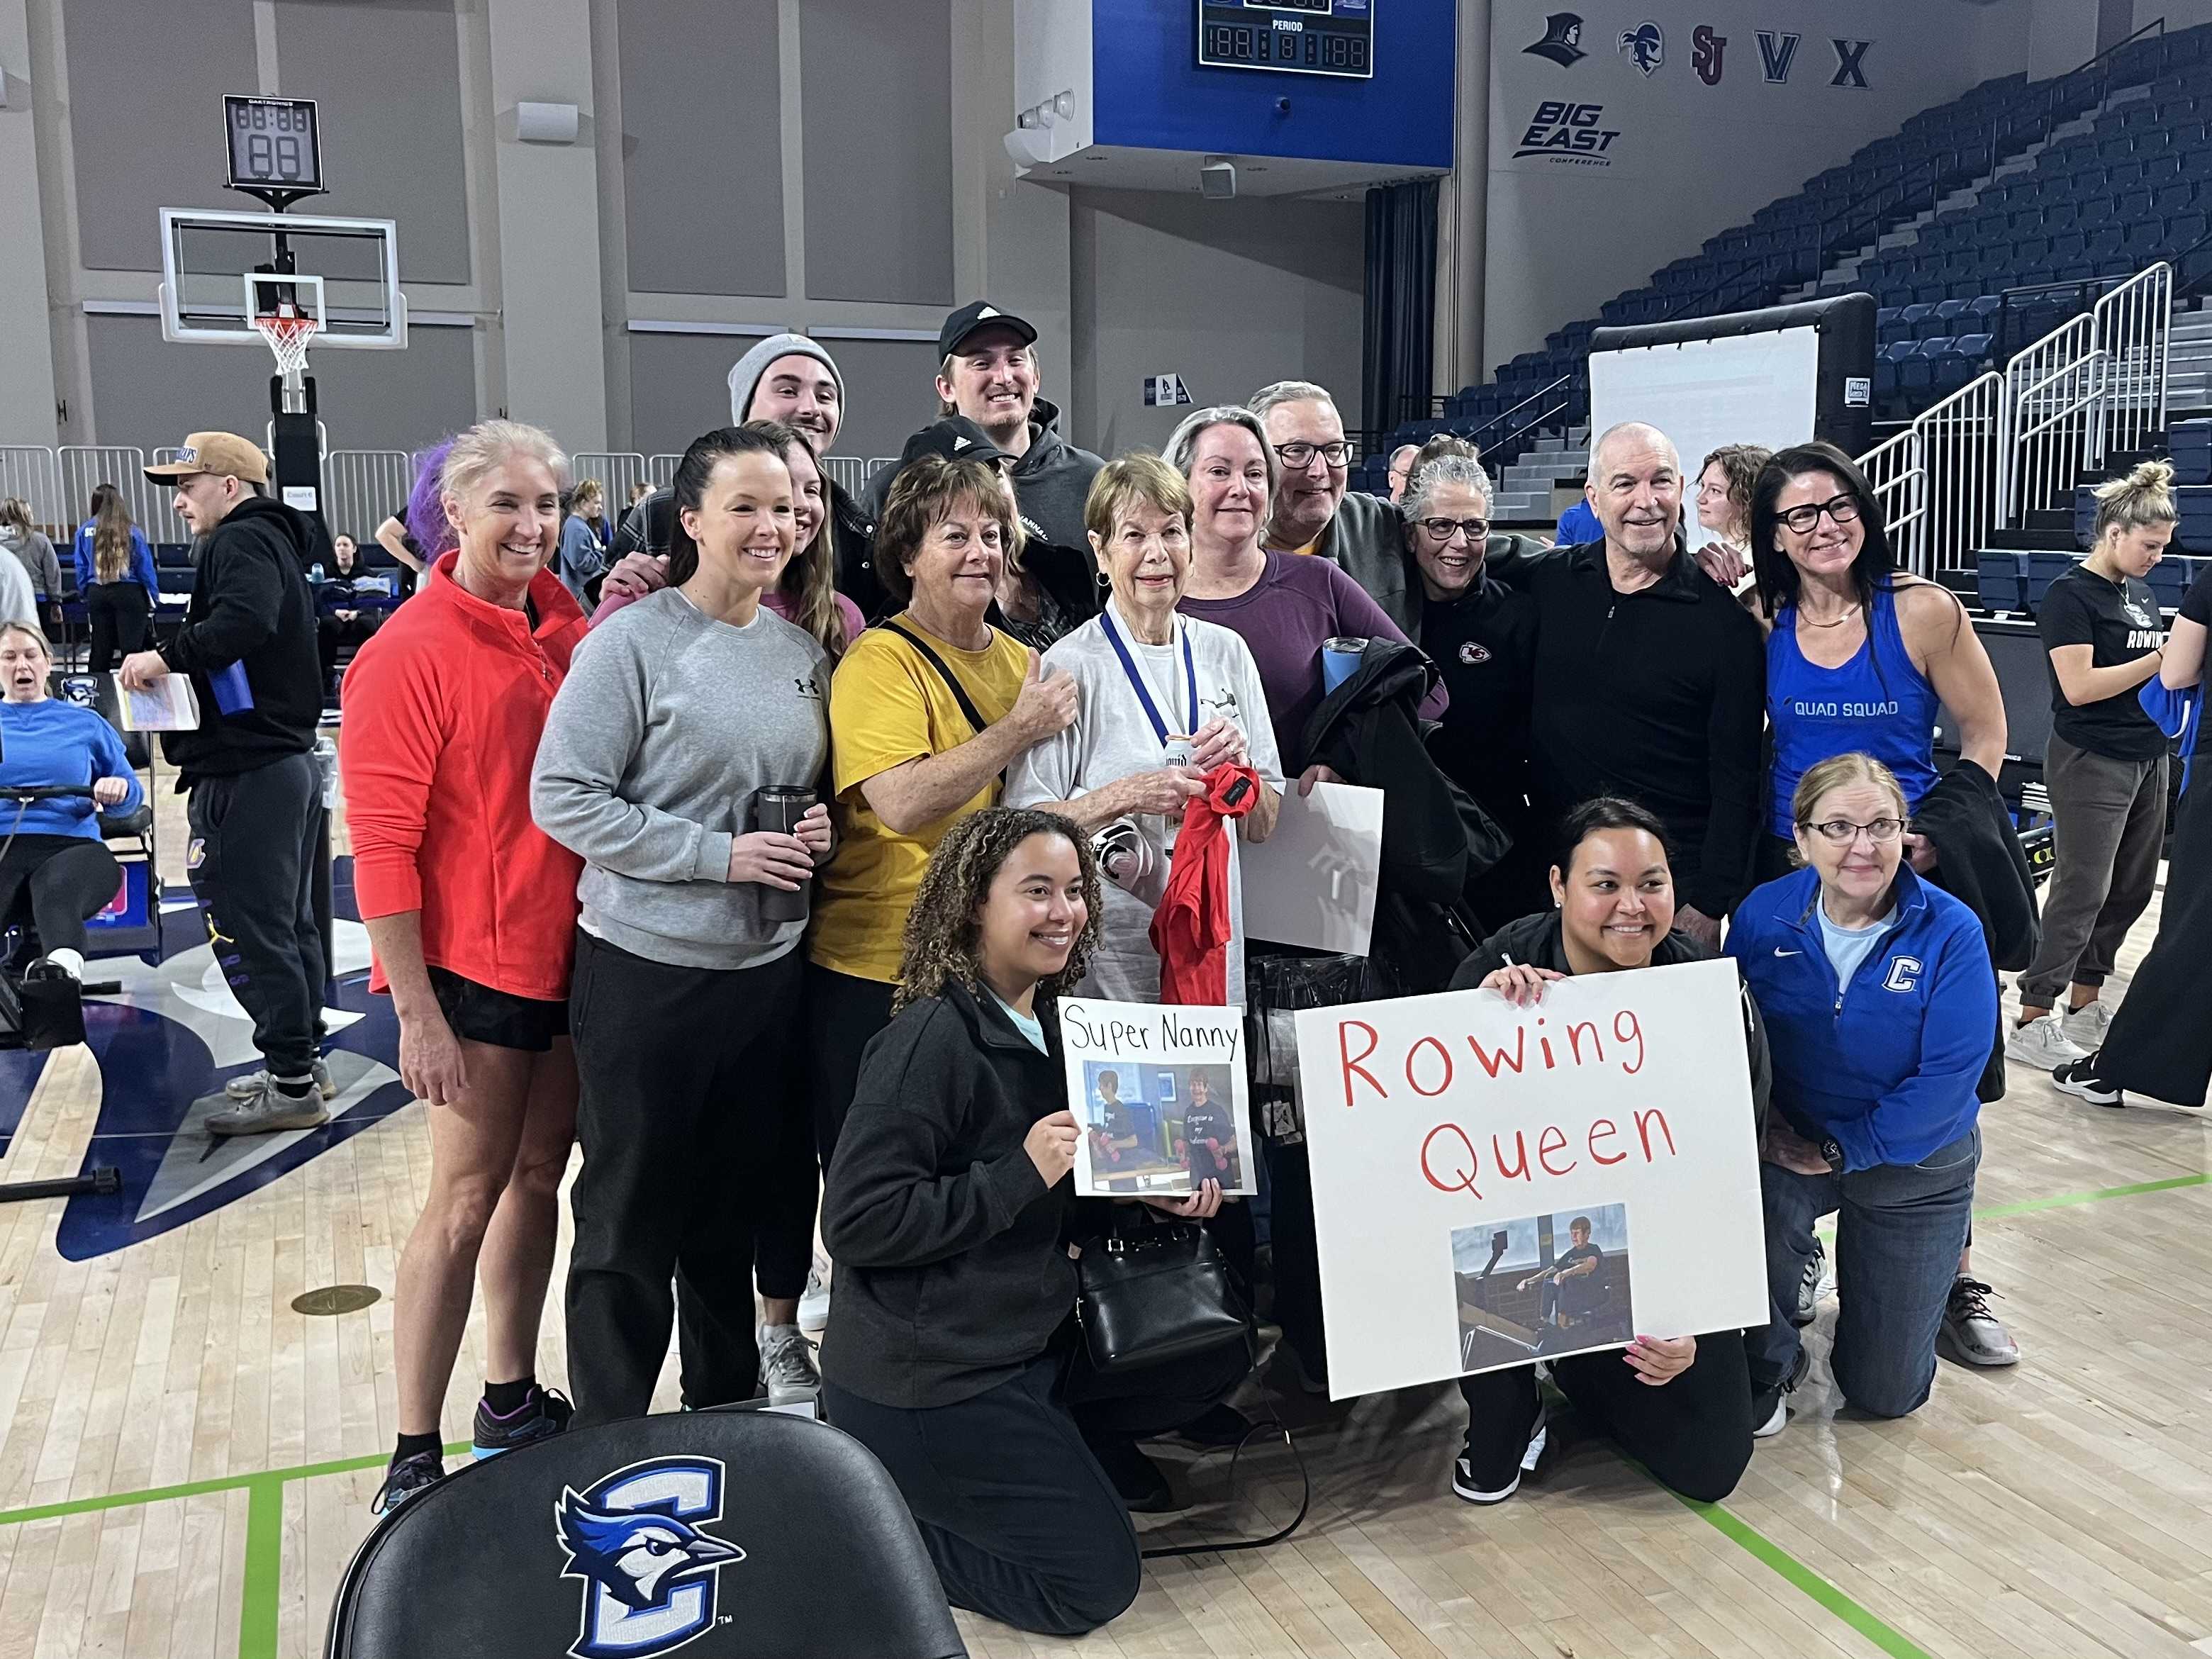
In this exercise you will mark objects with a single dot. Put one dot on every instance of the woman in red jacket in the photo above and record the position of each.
(471, 914)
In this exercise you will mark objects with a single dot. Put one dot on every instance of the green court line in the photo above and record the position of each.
(258, 1593)
(1769, 1554)
(2067, 1201)
(199, 1488)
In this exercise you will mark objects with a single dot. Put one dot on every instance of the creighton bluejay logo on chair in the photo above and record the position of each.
(649, 1573)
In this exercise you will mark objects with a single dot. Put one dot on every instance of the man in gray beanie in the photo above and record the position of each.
(788, 377)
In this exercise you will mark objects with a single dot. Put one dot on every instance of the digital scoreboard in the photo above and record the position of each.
(273, 148)
(1294, 37)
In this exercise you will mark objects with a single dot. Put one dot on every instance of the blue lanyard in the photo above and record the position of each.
(1137, 679)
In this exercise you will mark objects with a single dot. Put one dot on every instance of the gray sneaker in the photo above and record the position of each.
(2084, 1027)
(788, 1366)
(269, 1109)
(1969, 1334)
(2043, 1043)
(245, 1088)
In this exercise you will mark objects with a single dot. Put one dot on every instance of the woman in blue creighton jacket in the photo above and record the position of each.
(1879, 999)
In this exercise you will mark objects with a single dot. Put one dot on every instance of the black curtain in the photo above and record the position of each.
(1400, 332)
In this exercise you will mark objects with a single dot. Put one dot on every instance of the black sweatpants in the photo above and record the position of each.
(251, 861)
(1022, 1523)
(696, 1164)
(1296, 1254)
(71, 878)
(842, 1012)
(1693, 1433)
(118, 612)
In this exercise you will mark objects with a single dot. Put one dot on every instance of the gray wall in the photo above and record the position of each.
(877, 105)
(679, 387)
(153, 390)
(703, 147)
(145, 98)
(1228, 294)
(888, 393)
(387, 80)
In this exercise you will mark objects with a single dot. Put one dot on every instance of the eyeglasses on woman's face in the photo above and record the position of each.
(1441, 530)
(1841, 832)
(1841, 509)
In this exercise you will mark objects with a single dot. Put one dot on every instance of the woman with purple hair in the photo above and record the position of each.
(417, 531)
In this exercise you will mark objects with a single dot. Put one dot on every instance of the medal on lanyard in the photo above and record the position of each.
(1177, 751)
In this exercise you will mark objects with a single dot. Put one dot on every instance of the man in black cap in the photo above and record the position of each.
(254, 798)
(1049, 587)
(987, 371)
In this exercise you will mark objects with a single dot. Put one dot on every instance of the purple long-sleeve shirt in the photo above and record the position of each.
(1299, 602)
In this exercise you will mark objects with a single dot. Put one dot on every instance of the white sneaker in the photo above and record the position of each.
(787, 1365)
(1776, 1424)
(2084, 1027)
(245, 1088)
(814, 1301)
(2043, 1043)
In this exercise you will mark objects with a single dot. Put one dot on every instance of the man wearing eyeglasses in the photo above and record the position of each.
(1402, 470)
(1311, 513)
(1650, 680)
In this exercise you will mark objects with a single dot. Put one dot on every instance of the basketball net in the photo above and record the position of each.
(287, 331)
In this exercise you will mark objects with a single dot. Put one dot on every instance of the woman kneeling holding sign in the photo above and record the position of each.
(949, 1210)
(1882, 996)
(1680, 1405)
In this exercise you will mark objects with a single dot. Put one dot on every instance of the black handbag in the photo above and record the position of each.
(1153, 1293)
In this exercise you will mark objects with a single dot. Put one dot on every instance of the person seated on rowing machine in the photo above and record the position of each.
(1679, 1405)
(53, 846)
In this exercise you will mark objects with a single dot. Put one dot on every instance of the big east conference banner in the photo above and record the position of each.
(1494, 1185)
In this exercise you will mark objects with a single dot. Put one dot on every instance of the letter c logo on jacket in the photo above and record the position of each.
(1904, 974)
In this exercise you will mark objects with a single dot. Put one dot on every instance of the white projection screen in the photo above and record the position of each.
(1745, 389)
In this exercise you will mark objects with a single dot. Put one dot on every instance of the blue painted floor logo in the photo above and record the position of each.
(649, 1571)
(166, 1046)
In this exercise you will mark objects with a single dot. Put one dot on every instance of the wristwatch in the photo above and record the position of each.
(1832, 1150)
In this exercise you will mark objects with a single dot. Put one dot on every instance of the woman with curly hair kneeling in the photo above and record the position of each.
(949, 1209)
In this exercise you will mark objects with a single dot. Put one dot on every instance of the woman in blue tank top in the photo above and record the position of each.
(1859, 656)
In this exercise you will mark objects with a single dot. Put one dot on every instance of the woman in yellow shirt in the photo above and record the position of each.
(926, 713)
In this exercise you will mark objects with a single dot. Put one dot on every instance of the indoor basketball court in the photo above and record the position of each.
(1488, 227)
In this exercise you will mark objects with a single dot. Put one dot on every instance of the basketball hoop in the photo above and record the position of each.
(287, 331)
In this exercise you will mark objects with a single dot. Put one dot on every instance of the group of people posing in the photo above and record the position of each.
(759, 883)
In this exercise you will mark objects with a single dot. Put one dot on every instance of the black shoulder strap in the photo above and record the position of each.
(959, 692)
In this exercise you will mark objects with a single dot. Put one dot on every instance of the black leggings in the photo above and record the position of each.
(1693, 1433)
(118, 612)
(842, 1012)
(696, 1167)
(71, 877)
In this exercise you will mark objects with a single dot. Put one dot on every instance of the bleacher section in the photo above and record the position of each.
(2080, 180)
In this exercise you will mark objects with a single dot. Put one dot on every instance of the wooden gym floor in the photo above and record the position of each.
(185, 1463)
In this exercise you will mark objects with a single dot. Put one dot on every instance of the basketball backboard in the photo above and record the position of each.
(213, 258)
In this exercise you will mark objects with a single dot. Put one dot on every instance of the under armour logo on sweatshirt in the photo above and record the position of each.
(807, 687)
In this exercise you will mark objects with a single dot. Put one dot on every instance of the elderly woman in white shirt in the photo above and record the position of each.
(1164, 699)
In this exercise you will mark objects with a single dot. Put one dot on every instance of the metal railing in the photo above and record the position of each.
(853, 473)
(618, 472)
(2134, 327)
(2053, 392)
(1937, 479)
(660, 469)
(28, 471)
(361, 488)
(83, 467)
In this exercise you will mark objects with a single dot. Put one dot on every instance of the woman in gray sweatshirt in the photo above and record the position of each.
(697, 1149)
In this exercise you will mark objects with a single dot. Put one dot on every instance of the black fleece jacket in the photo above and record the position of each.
(250, 606)
(1539, 941)
(952, 1265)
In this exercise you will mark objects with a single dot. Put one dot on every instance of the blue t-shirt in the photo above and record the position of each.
(1847, 947)
(52, 742)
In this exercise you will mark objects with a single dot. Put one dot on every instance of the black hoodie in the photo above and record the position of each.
(1052, 480)
(1539, 941)
(250, 607)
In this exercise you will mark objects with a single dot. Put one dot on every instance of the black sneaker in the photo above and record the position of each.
(1770, 1408)
(2079, 1077)
(1540, 1437)
(1809, 1287)
(406, 1477)
(545, 1414)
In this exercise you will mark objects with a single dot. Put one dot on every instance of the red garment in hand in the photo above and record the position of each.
(1190, 928)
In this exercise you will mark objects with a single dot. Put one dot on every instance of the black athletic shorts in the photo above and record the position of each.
(479, 1014)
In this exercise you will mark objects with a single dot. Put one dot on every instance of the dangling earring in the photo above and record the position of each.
(1105, 584)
